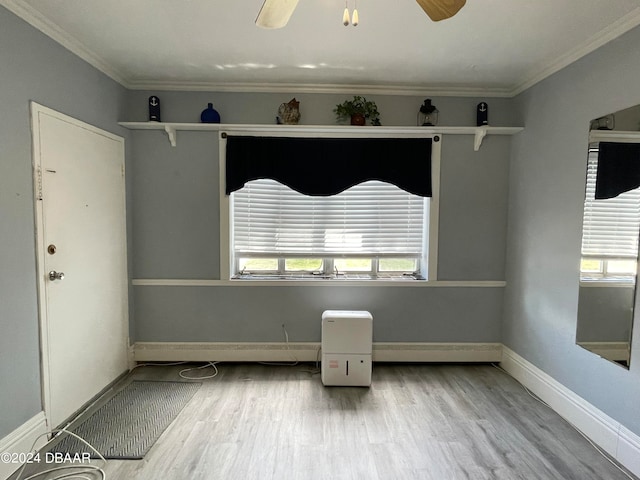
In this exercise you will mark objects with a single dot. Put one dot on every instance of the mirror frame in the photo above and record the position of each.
(617, 352)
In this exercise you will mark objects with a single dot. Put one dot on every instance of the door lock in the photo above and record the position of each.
(53, 275)
(51, 249)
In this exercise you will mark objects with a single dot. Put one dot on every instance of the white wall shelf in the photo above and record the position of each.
(171, 129)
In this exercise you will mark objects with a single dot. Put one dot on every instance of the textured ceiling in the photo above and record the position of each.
(492, 47)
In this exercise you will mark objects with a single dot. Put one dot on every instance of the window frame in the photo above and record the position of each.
(328, 268)
(228, 267)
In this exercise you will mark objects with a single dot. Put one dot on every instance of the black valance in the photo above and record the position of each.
(327, 166)
(618, 169)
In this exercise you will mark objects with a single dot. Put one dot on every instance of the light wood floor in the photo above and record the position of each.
(433, 422)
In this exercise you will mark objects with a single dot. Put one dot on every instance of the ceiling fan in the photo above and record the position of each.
(276, 13)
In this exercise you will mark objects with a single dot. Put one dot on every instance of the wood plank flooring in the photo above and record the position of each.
(432, 422)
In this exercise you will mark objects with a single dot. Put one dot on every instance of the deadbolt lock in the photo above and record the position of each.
(51, 249)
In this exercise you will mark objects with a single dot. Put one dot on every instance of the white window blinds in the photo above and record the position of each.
(372, 219)
(611, 226)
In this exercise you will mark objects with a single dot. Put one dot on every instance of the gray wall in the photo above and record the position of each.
(250, 314)
(176, 232)
(546, 198)
(33, 68)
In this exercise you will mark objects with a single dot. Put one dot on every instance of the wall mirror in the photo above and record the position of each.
(610, 235)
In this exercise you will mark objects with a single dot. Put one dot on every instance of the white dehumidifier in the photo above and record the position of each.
(347, 337)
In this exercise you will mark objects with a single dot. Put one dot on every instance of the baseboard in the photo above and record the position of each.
(437, 352)
(225, 352)
(607, 433)
(629, 450)
(20, 441)
(614, 351)
(310, 352)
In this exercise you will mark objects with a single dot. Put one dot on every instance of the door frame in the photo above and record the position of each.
(36, 110)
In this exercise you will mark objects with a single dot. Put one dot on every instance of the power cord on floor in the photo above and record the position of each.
(82, 472)
(182, 373)
(284, 364)
(158, 364)
(596, 447)
(206, 365)
(318, 356)
(314, 370)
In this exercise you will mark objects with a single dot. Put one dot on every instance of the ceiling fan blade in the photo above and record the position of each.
(441, 9)
(275, 13)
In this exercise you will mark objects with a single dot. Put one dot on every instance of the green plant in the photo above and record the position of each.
(358, 106)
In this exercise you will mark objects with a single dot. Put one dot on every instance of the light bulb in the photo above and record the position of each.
(345, 17)
(355, 17)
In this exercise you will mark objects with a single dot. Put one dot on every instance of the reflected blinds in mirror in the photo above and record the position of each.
(610, 226)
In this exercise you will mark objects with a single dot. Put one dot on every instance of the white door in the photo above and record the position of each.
(80, 222)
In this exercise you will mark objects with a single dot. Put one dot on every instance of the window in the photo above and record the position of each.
(373, 229)
(610, 231)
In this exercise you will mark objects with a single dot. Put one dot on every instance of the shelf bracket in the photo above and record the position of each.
(481, 132)
(171, 132)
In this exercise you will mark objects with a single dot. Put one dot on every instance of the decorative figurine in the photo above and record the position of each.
(154, 109)
(209, 115)
(482, 114)
(428, 114)
(289, 113)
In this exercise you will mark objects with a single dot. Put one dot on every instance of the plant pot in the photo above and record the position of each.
(357, 119)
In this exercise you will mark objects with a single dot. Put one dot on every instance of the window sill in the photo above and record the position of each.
(318, 283)
(340, 277)
(608, 282)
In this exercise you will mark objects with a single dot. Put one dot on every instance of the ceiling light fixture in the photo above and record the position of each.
(276, 13)
(345, 15)
(354, 19)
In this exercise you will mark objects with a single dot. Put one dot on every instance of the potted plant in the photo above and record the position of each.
(358, 110)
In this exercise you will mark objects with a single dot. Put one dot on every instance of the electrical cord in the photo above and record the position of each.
(85, 472)
(182, 373)
(159, 364)
(208, 364)
(284, 364)
(596, 447)
(314, 370)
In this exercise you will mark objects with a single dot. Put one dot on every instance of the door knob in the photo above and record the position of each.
(53, 275)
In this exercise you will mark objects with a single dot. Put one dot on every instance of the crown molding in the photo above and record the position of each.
(33, 17)
(613, 31)
(328, 88)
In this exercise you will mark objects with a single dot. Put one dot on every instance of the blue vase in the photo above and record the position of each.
(209, 115)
